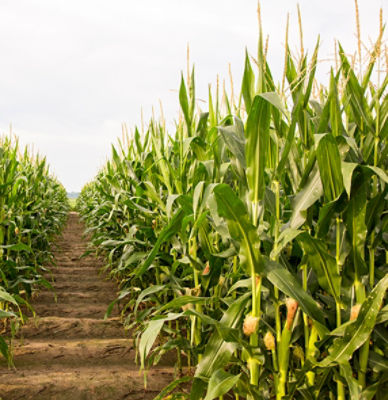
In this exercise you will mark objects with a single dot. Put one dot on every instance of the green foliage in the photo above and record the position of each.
(271, 212)
(33, 207)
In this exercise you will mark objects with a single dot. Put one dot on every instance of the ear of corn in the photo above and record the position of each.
(267, 216)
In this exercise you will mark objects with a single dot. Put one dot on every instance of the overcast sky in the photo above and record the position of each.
(72, 71)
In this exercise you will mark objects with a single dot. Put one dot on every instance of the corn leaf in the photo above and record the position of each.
(329, 162)
(357, 333)
(285, 281)
(217, 351)
(220, 383)
(305, 198)
(256, 147)
(248, 83)
(171, 229)
(324, 265)
(233, 210)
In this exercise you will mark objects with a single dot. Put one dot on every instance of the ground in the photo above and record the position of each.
(70, 351)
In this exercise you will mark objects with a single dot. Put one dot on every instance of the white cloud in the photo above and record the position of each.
(73, 71)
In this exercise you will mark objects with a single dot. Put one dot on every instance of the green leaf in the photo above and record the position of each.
(378, 362)
(355, 223)
(218, 352)
(197, 198)
(233, 210)
(109, 310)
(287, 236)
(357, 333)
(184, 101)
(311, 80)
(171, 386)
(170, 202)
(234, 139)
(355, 94)
(198, 389)
(169, 230)
(370, 392)
(353, 386)
(275, 100)
(248, 83)
(151, 333)
(4, 350)
(152, 194)
(182, 301)
(146, 292)
(256, 147)
(348, 169)
(323, 264)
(329, 162)
(17, 247)
(378, 171)
(325, 218)
(290, 139)
(5, 296)
(347, 173)
(7, 314)
(220, 383)
(286, 282)
(148, 339)
(305, 198)
(334, 105)
(383, 315)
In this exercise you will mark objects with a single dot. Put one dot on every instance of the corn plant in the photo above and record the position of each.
(33, 207)
(253, 241)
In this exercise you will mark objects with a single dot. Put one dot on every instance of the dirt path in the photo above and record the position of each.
(69, 351)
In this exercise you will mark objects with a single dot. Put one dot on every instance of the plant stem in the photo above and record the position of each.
(196, 321)
(254, 338)
(278, 327)
(178, 351)
(235, 263)
(305, 317)
(275, 365)
(310, 354)
(253, 364)
(189, 352)
(276, 237)
(340, 386)
(284, 354)
(364, 351)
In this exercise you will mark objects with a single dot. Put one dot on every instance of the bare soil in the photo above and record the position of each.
(69, 351)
